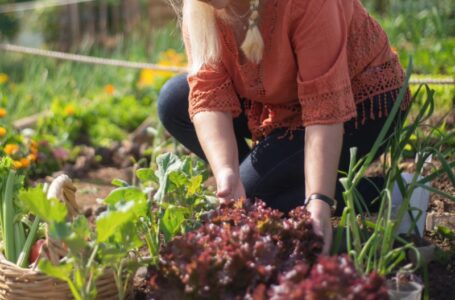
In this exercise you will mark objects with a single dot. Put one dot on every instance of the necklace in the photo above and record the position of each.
(243, 16)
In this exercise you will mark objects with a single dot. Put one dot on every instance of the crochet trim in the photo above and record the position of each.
(222, 98)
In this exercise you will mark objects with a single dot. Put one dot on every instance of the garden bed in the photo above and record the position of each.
(96, 184)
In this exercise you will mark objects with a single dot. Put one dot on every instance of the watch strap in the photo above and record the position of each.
(329, 200)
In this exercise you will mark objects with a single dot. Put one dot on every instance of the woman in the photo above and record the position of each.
(305, 79)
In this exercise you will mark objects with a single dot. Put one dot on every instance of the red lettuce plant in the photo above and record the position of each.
(331, 278)
(238, 248)
(249, 251)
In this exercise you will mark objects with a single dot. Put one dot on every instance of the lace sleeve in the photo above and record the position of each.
(211, 88)
(211, 91)
(319, 40)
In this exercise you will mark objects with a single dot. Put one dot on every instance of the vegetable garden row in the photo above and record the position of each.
(167, 223)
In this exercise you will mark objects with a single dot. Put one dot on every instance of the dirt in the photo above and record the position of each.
(97, 185)
(438, 203)
(441, 271)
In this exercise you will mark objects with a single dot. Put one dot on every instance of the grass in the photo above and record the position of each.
(424, 30)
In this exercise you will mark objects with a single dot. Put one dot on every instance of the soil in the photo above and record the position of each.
(97, 185)
(441, 271)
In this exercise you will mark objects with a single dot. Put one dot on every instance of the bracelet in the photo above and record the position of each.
(329, 200)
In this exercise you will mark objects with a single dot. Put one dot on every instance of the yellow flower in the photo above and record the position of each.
(3, 78)
(10, 149)
(17, 164)
(169, 58)
(172, 58)
(69, 110)
(109, 89)
(149, 77)
(2, 132)
(3, 112)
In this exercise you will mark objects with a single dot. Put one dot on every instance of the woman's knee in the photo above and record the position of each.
(173, 99)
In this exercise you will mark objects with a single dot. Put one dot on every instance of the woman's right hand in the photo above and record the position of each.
(229, 186)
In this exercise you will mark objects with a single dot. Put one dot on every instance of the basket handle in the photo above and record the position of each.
(63, 189)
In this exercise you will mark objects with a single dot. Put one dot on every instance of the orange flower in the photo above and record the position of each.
(11, 148)
(25, 162)
(17, 164)
(33, 147)
(33, 144)
(2, 132)
(32, 157)
(109, 89)
(3, 112)
(69, 110)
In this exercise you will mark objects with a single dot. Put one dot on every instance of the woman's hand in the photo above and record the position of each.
(229, 186)
(215, 132)
(320, 214)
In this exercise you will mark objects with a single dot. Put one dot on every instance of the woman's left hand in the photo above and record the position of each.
(320, 214)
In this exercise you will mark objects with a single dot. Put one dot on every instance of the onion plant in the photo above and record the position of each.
(377, 245)
(17, 237)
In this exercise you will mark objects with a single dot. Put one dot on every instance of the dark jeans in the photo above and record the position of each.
(274, 169)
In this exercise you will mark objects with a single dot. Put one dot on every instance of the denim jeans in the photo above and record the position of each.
(273, 170)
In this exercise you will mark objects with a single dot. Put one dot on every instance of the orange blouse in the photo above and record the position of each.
(321, 58)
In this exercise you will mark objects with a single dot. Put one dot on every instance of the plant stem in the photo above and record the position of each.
(8, 218)
(22, 261)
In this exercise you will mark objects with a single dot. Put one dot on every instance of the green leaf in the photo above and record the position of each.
(124, 194)
(194, 185)
(167, 163)
(50, 210)
(62, 271)
(60, 231)
(108, 223)
(81, 226)
(79, 234)
(113, 220)
(187, 166)
(178, 179)
(119, 183)
(146, 175)
(446, 232)
(172, 220)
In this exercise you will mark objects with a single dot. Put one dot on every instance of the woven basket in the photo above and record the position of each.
(28, 284)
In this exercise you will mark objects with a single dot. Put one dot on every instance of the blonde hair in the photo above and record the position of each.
(198, 18)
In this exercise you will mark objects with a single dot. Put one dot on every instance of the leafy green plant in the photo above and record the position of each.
(171, 199)
(79, 268)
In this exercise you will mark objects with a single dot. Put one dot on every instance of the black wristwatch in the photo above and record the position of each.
(329, 200)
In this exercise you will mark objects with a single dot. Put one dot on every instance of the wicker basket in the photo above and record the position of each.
(28, 284)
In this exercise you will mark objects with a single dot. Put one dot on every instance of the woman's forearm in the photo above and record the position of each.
(322, 154)
(215, 132)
